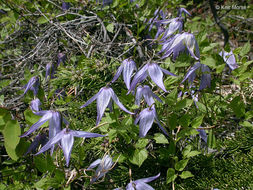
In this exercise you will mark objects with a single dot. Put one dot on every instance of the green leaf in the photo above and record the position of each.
(181, 165)
(187, 150)
(5, 116)
(139, 157)
(160, 139)
(44, 164)
(211, 141)
(238, 106)
(197, 121)
(192, 154)
(209, 47)
(246, 124)
(42, 20)
(11, 134)
(185, 120)
(186, 174)
(11, 152)
(110, 27)
(171, 176)
(142, 143)
(209, 62)
(245, 49)
(183, 104)
(172, 97)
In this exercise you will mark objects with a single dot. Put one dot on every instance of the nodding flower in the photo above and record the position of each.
(154, 71)
(205, 78)
(104, 165)
(146, 119)
(141, 184)
(33, 85)
(35, 105)
(103, 98)
(229, 59)
(66, 137)
(180, 43)
(127, 68)
(148, 95)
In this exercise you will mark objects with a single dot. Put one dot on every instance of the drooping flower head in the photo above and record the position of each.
(49, 71)
(35, 105)
(103, 98)
(33, 85)
(40, 139)
(154, 71)
(148, 95)
(104, 165)
(205, 78)
(141, 184)
(128, 66)
(146, 119)
(229, 59)
(61, 58)
(65, 6)
(55, 120)
(175, 24)
(66, 137)
(182, 10)
(180, 43)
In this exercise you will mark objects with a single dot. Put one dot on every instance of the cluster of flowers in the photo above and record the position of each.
(173, 43)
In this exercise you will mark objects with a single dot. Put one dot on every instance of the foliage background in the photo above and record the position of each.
(95, 40)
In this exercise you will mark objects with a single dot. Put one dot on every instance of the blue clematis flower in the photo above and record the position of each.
(141, 184)
(202, 134)
(66, 136)
(39, 139)
(182, 10)
(35, 105)
(180, 43)
(61, 58)
(205, 78)
(104, 165)
(148, 95)
(146, 119)
(154, 71)
(65, 6)
(128, 66)
(55, 122)
(175, 24)
(229, 59)
(104, 97)
(49, 71)
(33, 85)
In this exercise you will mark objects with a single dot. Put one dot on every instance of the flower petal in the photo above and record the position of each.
(119, 71)
(145, 122)
(67, 141)
(102, 102)
(190, 75)
(84, 134)
(139, 75)
(148, 179)
(94, 164)
(129, 67)
(143, 186)
(52, 141)
(116, 100)
(35, 126)
(156, 75)
(91, 99)
(138, 95)
(205, 78)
